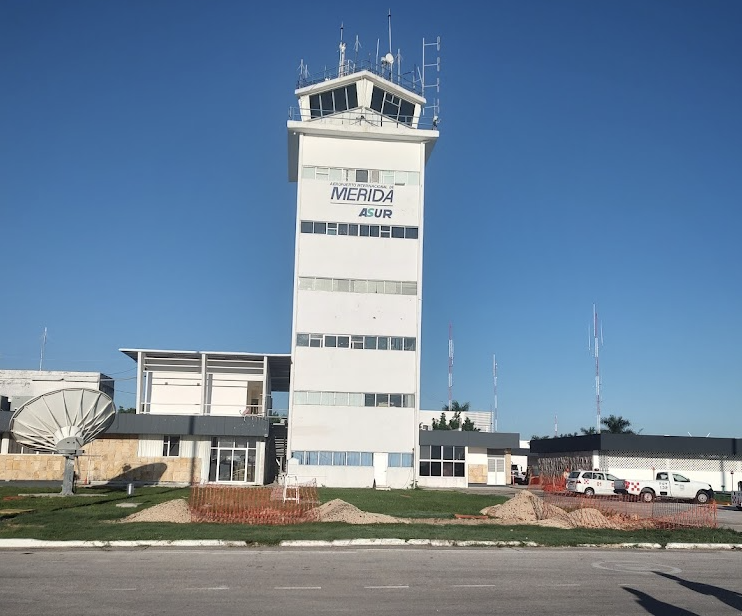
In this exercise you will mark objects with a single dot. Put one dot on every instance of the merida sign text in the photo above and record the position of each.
(344, 193)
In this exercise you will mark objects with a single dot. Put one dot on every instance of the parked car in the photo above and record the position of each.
(518, 475)
(591, 483)
(666, 484)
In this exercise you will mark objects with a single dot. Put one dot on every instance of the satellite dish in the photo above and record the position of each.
(62, 422)
(389, 59)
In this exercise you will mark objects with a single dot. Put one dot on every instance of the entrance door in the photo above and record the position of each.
(380, 468)
(495, 470)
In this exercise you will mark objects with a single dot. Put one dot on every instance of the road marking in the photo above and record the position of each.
(297, 588)
(385, 587)
(474, 585)
(213, 588)
(122, 589)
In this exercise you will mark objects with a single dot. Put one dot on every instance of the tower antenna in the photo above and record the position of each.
(450, 367)
(43, 346)
(390, 30)
(556, 427)
(594, 345)
(494, 376)
(341, 65)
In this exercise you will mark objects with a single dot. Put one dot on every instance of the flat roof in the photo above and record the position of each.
(279, 364)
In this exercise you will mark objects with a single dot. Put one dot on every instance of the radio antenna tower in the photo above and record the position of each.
(594, 346)
(450, 367)
(43, 347)
(556, 427)
(494, 376)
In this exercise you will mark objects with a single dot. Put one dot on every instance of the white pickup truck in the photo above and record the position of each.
(737, 496)
(666, 484)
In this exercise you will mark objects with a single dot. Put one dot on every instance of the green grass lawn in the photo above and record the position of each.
(91, 515)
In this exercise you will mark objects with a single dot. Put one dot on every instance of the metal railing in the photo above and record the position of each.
(405, 80)
(366, 117)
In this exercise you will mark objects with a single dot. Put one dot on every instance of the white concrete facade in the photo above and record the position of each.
(353, 406)
(31, 383)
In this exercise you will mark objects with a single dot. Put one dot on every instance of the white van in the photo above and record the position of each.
(591, 483)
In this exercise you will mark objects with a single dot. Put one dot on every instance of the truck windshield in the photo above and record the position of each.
(680, 478)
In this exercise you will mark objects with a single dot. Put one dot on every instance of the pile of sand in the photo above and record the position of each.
(175, 511)
(339, 511)
(524, 508)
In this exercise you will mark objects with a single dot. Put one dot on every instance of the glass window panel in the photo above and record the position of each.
(298, 455)
(409, 401)
(362, 175)
(352, 229)
(307, 173)
(458, 469)
(302, 340)
(325, 458)
(341, 398)
(353, 458)
(448, 469)
(343, 228)
(343, 342)
(373, 176)
(313, 457)
(332, 228)
(387, 177)
(342, 285)
(424, 469)
(409, 344)
(413, 178)
(325, 100)
(411, 233)
(369, 399)
(395, 400)
(314, 397)
(226, 442)
(382, 399)
(315, 340)
(394, 460)
(425, 452)
(327, 398)
(356, 342)
(435, 452)
(341, 103)
(406, 112)
(320, 228)
(338, 458)
(360, 286)
(352, 94)
(307, 226)
(448, 452)
(400, 178)
(367, 458)
(369, 342)
(459, 452)
(396, 343)
(306, 284)
(364, 229)
(398, 232)
(435, 469)
(331, 341)
(336, 175)
(322, 173)
(386, 231)
(314, 106)
(392, 287)
(377, 99)
(356, 399)
(300, 397)
(406, 460)
(374, 229)
(409, 288)
(391, 106)
(323, 284)
(382, 343)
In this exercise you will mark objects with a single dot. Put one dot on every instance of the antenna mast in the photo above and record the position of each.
(596, 344)
(341, 65)
(43, 346)
(494, 375)
(556, 427)
(450, 367)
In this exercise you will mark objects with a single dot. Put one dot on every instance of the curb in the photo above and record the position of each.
(19, 544)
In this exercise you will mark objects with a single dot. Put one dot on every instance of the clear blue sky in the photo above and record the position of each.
(589, 152)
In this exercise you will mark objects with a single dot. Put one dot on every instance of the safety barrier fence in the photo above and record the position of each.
(628, 511)
(253, 505)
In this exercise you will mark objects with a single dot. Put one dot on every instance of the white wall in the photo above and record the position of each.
(32, 383)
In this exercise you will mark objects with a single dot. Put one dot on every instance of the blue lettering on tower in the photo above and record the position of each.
(357, 194)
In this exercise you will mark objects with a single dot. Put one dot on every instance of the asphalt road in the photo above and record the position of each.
(390, 581)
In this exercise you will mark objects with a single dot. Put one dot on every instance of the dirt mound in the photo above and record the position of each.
(339, 511)
(175, 511)
(524, 508)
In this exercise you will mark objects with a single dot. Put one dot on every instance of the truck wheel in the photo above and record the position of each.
(589, 492)
(647, 496)
(702, 497)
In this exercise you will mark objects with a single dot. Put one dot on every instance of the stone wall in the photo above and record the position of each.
(106, 459)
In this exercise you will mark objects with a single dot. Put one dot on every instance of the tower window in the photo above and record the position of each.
(392, 106)
(333, 101)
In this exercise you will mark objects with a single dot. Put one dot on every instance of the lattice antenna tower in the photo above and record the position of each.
(594, 345)
(450, 367)
(494, 377)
